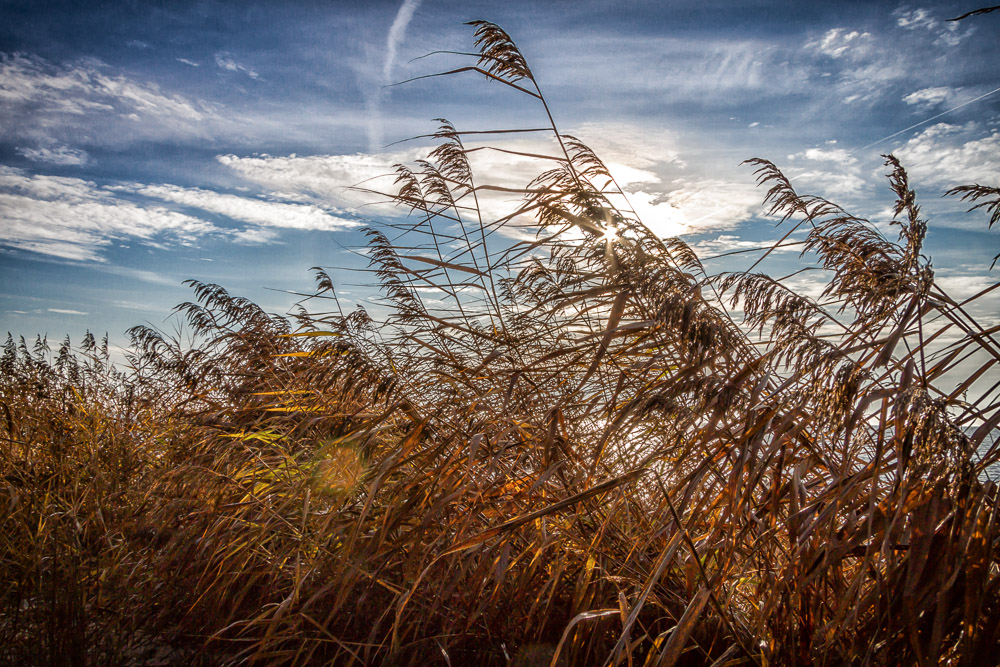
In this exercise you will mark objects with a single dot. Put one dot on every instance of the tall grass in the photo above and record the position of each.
(583, 450)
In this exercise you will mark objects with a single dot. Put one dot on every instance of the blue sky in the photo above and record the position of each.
(144, 143)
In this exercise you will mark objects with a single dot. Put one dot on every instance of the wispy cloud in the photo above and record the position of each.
(60, 102)
(396, 33)
(709, 71)
(74, 219)
(827, 154)
(255, 236)
(58, 155)
(226, 61)
(247, 209)
(841, 42)
(142, 275)
(921, 19)
(325, 179)
(376, 93)
(729, 243)
(912, 19)
(66, 311)
(76, 89)
(865, 65)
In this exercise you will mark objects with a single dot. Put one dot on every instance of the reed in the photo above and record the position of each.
(587, 450)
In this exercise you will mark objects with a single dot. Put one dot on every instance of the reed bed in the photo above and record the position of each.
(583, 450)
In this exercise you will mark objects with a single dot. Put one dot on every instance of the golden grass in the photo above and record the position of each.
(592, 454)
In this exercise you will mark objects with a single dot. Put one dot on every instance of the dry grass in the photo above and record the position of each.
(586, 452)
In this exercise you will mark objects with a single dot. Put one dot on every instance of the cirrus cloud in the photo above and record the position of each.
(56, 102)
(247, 209)
(58, 155)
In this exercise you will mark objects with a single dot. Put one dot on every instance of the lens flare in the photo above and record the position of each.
(338, 472)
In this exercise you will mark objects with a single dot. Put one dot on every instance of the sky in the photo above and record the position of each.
(145, 143)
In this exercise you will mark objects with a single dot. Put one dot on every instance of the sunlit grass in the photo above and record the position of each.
(586, 451)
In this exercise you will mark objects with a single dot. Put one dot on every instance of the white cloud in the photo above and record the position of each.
(965, 286)
(255, 236)
(946, 33)
(59, 155)
(143, 275)
(835, 155)
(870, 79)
(633, 145)
(840, 42)
(708, 71)
(867, 66)
(860, 65)
(833, 173)
(726, 243)
(76, 89)
(833, 185)
(245, 209)
(325, 179)
(966, 282)
(59, 101)
(85, 101)
(927, 98)
(697, 205)
(947, 155)
(66, 311)
(226, 61)
(810, 284)
(73, 219)
(914, 18)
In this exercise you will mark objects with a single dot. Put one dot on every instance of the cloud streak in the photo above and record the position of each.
(245, 209)
(71, 218)
(48, 104)
(226, 62)
(377, 92)
(58, 155)
(75, 219)
(29, 83)
(396, 34)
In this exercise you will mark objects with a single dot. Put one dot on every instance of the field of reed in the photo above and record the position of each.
(559, 442)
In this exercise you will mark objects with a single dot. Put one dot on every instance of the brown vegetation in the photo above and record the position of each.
(593, 452)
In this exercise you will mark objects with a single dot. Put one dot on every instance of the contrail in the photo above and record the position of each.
(396, 34)
(927, 120)
(877, 141)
